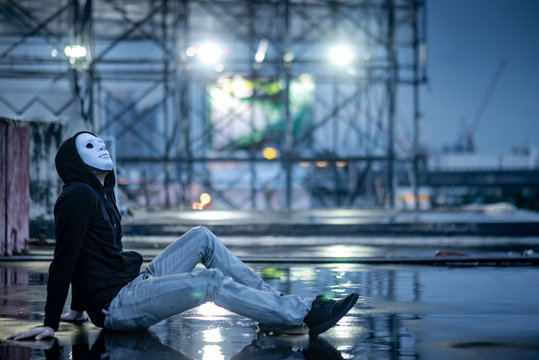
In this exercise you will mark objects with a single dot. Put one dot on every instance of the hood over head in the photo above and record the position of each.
(70, 166)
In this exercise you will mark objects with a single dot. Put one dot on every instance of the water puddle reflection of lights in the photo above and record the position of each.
(212, 335)
(302, 273)
(212, 352)
(210, 311)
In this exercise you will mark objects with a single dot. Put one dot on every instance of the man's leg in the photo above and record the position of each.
(148, 300)
(200, 245)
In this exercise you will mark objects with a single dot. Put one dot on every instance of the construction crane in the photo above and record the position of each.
(469, 130)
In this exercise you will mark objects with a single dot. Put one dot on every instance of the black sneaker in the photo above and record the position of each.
(326, 312)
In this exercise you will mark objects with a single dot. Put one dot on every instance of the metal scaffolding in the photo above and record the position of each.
(270, 124)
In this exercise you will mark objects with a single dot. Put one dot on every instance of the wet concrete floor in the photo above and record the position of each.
(404, 312)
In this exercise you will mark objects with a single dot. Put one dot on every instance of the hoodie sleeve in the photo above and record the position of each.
(76, 301)
(73, 213)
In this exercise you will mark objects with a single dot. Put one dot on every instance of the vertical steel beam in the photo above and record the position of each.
(88, 35)
(288, 139)
(185, 137)
(166, 135)
(253, 77)
(415, 49)
(335, 110)
(391, 92)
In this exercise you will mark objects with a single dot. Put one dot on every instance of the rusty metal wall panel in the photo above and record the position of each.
(16, 164)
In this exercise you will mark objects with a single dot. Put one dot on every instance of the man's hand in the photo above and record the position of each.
(74, 316)
(36, 333)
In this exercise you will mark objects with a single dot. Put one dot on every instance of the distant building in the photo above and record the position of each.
(471, 178)
(520, 159)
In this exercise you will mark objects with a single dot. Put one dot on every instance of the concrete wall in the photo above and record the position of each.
(14, 186)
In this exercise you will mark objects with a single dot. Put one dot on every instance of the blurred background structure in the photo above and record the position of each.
(224, 104)
(256, 104)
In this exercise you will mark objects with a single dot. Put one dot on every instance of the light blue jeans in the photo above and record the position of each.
(167, 287)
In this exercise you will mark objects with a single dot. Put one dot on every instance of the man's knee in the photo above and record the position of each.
(204, 233)
(202, 230)
(197, 234)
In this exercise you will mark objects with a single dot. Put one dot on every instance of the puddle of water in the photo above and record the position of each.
(403, 312)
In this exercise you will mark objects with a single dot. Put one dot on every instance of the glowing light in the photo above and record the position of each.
(261, 51)
(322, 164)
(75, 51)
(341, 55)
(340, 164)
(288, 57)
(269, 153)
(242, 88)
(54, 53)
(271, 273)
(205, 198)
(209, 53)
(306, 83)
(304, 164)
(191, 51)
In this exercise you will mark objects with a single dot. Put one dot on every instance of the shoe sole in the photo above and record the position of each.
(276, 330)
(320, 328)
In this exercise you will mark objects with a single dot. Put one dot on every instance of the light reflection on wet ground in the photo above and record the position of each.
(404, 312)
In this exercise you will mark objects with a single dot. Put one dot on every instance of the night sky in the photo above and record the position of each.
(467, 40)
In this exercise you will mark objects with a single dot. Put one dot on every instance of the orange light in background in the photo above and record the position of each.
(205, 199)
(269, 153)
(322, 164)
(304, 164)
(340, 164)
(197, 206)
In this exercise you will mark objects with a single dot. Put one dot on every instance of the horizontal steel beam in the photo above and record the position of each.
(142, 159)
(483, 178)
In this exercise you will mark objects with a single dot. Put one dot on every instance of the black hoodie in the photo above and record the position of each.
(88, 250)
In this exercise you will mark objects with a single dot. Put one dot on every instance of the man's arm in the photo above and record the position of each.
(72, 221)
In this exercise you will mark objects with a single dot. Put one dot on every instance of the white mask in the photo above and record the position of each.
(93, 152)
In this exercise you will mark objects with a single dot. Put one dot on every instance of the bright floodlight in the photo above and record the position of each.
(75, 51)
(209, 53)
(261, 51)
(341, 54)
